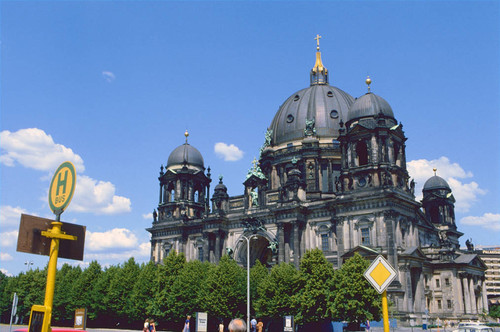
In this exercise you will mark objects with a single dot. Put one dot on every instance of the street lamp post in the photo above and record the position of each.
(248, 278)
(29, 263)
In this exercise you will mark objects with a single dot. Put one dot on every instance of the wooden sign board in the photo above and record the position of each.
(30, 239)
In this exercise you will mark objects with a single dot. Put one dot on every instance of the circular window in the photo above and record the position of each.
(289, 118)
(329, 94)
(362, 181)
(296, 98)
(334, 114)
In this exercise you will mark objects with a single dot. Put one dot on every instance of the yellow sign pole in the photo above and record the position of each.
(385, 311)
(56, 234)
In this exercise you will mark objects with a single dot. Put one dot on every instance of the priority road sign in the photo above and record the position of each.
(62, 187)
(380, 274)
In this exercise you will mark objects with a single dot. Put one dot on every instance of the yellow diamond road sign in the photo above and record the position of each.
(380, 274)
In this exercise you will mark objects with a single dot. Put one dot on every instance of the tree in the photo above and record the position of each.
(277, 292)
(84, 290)
(142, 296)
(64, 300)
(258, 273)
(105, 316)
(356, 301)
(120, 289)
(225, 290)
(167, 273)
(495, 311)
(5, 298)
(186, 292)
(315, 288)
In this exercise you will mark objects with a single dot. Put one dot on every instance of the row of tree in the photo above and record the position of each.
(125, 295)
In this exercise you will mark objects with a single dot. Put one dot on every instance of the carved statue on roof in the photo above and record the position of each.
(255, 170)
(267, 140)
(310, 129)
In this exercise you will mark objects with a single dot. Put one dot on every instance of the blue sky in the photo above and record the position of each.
(112, 86)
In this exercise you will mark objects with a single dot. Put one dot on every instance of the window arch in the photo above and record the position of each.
(362, 153)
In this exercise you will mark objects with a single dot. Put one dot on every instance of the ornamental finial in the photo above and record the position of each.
(435, 170)
(319, 74)
(186, 134)
(368, 81)
(318, 37)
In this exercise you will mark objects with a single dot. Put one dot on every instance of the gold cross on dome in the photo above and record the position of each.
(317, 40)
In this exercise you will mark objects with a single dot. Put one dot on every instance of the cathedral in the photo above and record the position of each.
(332, 175)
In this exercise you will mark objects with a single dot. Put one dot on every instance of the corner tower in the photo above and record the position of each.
(373, 147)
(184, 187)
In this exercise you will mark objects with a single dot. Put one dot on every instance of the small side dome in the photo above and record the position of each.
(220, 186)
(435, 183)
(185, 154)
(369, 105)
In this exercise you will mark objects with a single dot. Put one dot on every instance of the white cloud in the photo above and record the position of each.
(465, 193)
(118, 239)
(4, 257)
(228, 152)
(140, 252)
(4, 271)
(108, 76)
(148, 216)
(33, 148)
(98, 197)
(10, 216)
(487, 220)
(9, 239)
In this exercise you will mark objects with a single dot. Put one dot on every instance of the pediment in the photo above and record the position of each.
(365, 252)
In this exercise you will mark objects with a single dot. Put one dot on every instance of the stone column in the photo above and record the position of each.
(281, 244)
(217, 247)
(458, 297)
(206, 247)
(419, 294)
(466, 294)
(484, 295)
(296, 244)
(472, 296)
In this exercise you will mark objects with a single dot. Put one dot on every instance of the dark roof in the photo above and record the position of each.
(185, 154)
(369, 105)
(328, 105)
(436, 182)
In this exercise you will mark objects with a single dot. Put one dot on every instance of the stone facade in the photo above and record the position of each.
(331, 175)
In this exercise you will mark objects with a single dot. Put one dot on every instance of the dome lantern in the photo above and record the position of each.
(319, 73)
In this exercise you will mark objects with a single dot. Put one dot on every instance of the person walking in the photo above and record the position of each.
(237, 325)
(152, 325)
(253, 325)
(146, 325)
(187, 324)
(260, 325)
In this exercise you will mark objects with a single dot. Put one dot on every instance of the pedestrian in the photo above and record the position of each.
(260, 325)
(146, 325)
(253, 325)
(237, 325)
(367, 325)
(187, 324)
(221, 325)
(152, 325)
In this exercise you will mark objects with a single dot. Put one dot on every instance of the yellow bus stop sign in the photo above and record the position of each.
(62, 187)
(380, 274)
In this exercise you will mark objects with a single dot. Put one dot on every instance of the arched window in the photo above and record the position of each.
(434, 214)
(362, 152)
(196, 196)
(172, 195)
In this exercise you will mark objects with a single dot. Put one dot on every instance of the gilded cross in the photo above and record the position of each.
(254, 162)
(317, 40)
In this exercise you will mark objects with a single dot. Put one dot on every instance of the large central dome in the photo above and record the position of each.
(326, 104)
